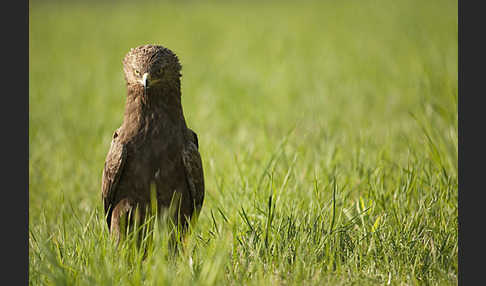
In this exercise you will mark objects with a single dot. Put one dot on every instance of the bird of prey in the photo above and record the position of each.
(153, 148)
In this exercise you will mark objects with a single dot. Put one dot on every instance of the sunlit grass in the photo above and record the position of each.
(328, 134)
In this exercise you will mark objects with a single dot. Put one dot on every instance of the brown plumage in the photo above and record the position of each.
(154, 146)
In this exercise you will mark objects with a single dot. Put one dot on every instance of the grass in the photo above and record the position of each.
(328, 133)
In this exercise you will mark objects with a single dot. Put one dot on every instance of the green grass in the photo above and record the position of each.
(328, 133)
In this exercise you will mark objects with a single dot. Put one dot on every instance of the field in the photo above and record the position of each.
(328, 133)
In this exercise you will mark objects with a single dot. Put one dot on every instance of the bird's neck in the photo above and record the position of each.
(159, 107)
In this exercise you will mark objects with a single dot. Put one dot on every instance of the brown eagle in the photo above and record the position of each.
(153, 148)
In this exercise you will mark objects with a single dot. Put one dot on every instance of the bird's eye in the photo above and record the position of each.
(137, 73)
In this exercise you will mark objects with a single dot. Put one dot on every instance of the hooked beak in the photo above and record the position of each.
(145, 82)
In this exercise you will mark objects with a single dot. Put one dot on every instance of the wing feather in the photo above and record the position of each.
(194, 171)
(114, 163)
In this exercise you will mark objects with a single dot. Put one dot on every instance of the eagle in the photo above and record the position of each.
(153, 154)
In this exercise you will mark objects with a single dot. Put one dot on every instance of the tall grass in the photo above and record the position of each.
(328, 134)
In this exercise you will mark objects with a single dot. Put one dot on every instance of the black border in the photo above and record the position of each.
(15, 142)
(471, 78)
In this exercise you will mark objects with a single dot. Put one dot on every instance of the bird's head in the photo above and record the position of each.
(150, 66)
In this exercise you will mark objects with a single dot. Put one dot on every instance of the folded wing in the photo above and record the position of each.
(193, 169)
(114, 163)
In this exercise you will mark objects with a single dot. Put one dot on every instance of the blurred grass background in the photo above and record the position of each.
(294, 99)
